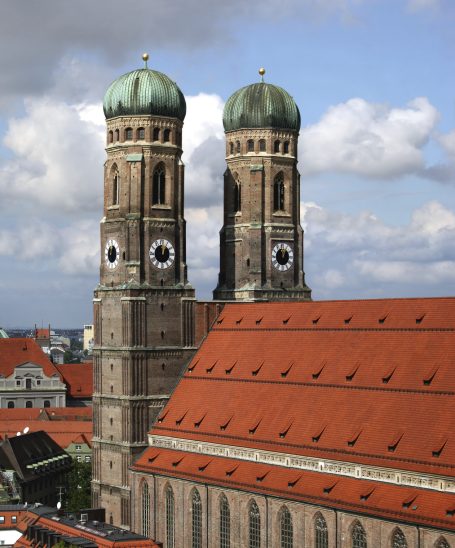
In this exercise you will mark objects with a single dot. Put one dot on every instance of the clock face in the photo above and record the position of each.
(282, 256)
(162, 253)
(111, 254)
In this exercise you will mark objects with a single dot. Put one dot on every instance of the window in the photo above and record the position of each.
(225, 523)
(10, 405)
(18, 383)
(28, 404)
(156, 134)
(231, 148)
(159, 188)
(117, 134)
(286, 147)
(13, 519)
(46, 403)
(145, 510)
(321, 538)
(278, 193)
(255, 526)
(358, 536)
(28, 384)
(141, 134)
(2, 519)
(237, 147)
(79, 458)
(398, 539)
(115, 188)
(442, 543)
(286, 529)
(237, 197)
(170, 524)
(276, 146)
(250, 145)
(128, 134)
(196, 505)
(78, 447)
(167, 135)
(111, 137)
(262, 145)
(87, 458)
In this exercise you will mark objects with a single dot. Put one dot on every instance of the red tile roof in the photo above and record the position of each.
(41, 333)
(78, 378)
(62, 432)
(368, 382)
(14, 352)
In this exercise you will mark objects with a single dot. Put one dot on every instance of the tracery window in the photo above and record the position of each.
(286, 529)
(442, 543)
(159, 186)
(276, 146)
(156, 133)
(196, 505)
(225, 523)
(254, 526)
(278, 193)
(170, 518)
(262, 145)
(145, 518)
(141, 134)
(398, 539)
(237, 197)
(250, 145)
(128, 134)
(166, 135)
(321, 534)
(358, 536)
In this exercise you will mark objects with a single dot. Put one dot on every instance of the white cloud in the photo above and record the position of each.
(370, 140)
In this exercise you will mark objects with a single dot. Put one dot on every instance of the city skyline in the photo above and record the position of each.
(373, 83)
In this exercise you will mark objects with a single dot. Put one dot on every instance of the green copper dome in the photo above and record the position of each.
(261, 105)
(144, 91)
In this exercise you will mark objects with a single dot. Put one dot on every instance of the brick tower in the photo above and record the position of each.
(143, 305)
(261, 242)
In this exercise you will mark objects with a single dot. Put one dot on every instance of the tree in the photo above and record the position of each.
(78, 491)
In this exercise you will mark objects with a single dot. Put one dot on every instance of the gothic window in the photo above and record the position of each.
(237, 147)
(111, 136)
(237, 196)
(442, 543)
(255, 526)
(278, 193)
(225, 523)
(231, 148)
(358, 536)
(170, 522)
(262, 145)
(115, 188)
(286, 147)
(117, 135)
(166, 135)
(141, 134)
(156, 134)
(276, 146)
(196, 505)
(128, 134)
(286, 529)
(145, 518)
(250, 145)
(321, 535)
(398, 539)
(159, 186)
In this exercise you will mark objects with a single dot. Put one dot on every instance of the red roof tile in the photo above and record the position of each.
(78, 377)
(14, 352)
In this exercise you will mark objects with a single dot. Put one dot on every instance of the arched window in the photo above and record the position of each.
(156, 133)
(358, 536)
(115, 186)
(28, 404)
(237, 196)
(170, 521)
(237, 147)
(286, 529)
(111, 136)
(10, 405)
(278, 193)
(286, 147)
(398, 539)
(128, 134)
(46, 403)
(225, 523)
(141, 134)
(442, 543)
(196, 505)
(231, 148)
(321, 535)
(145, 503)
(250, 145)
(117, 134)
(262, 145)
(255, 526)
(159, 186)
(276, 146)
(167, 135)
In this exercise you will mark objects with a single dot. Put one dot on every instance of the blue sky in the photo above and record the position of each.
(374, 80)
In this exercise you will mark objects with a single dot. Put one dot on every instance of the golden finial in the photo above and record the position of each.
(262, 72)
(145, 58)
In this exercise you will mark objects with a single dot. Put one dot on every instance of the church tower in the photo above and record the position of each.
(143, 305)
(261, 242)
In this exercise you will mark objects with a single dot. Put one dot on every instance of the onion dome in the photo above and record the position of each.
(144, 91)
(261, 105)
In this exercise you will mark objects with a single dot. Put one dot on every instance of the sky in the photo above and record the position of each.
(375, 84)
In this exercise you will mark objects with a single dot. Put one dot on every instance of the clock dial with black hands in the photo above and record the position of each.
(111, 254)
(162, 253)
(282, 256)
